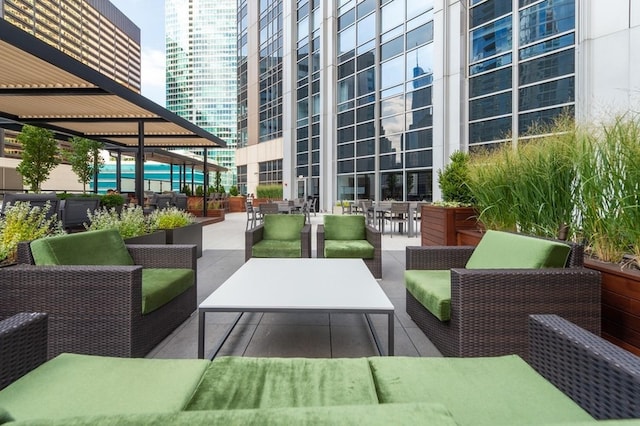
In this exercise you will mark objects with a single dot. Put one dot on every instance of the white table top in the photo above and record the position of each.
(300, 284)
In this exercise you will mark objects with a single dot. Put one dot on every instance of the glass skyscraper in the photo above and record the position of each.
(201, 66)
(355, 99)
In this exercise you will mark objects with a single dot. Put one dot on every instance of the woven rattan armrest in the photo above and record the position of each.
(23, 345)
(164, 256)
(602, 378)
(251, 237)
(305, 241)
(437, 257)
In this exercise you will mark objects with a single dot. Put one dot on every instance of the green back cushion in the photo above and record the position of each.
(432, 288)
(371, 415)
(499, 250)
(285, 227)
(477, 391)
(104, 247)
(76, 385)
(347, 227)
(160, 286)
(244, 382)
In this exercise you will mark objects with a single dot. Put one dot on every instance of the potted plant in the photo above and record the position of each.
(441, 221)
(237, 202)
(21, 222)
(130, 223)
(180, 227)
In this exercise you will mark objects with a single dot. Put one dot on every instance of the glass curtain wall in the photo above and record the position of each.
(271, 53)
(521, 67)
(385, 66)
(308, 106)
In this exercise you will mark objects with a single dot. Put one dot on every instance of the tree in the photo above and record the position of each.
(39, 155)
(85, 159)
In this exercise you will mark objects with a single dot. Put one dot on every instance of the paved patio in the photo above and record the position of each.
(293, 335)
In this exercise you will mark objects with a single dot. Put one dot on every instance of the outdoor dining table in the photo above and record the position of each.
(380, 210)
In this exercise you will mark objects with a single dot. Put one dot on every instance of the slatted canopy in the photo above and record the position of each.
(42, 86)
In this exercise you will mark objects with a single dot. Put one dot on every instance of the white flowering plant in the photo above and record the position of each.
(130, 222)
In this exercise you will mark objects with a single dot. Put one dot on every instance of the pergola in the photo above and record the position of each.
(42, 86)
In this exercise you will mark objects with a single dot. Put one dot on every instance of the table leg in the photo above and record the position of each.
(201, 334)
(391, 351)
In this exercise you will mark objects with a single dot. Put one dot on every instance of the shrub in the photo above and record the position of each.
(131, 222)
(233, 191)
(21, 222)
(269, 191)
(186, 190)
(453, 179)
(170, 218)
(111, 200)
(199, 191)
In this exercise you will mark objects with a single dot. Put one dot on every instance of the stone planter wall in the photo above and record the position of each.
(158, 237)
(620, 304)
(439, 225)
(190, 234)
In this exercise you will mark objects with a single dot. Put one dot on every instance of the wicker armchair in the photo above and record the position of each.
(372, 235)
(97, 309)
(23, 345)
(257, 234)
(489, 307)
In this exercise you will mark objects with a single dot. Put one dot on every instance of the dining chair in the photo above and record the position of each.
(398, 214)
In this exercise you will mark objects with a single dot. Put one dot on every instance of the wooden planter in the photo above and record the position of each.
(469, 237)
(620, 304)
(237, 204)
(157, 237)
(439, 225)
(190, 234)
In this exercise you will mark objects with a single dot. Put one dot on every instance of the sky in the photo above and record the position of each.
(148, 15)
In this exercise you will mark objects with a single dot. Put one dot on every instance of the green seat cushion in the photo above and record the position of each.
(277, 248)
(160, 286)
(432, 288)
(283, 227)
(75, 385)
(244, 382)
(348, 227)
(498, 250)
(104, 247)
(477, 391)
(374, 415)
(356, 249)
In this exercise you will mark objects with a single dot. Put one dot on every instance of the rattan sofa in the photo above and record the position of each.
(602, 380)
(23, 345)
(489, 307)
(96, 309)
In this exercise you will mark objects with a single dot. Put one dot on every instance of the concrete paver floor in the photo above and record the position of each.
(293, 335)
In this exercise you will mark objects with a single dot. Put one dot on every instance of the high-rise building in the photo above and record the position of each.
(201, 71)
(94, 32)
(349, 99)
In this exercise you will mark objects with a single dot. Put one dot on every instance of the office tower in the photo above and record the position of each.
(94, 32)
(351, 99)
(201, 71)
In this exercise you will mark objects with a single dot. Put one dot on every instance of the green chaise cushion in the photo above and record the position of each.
(160, 286)
(374, 415)
(498, 250)
(432, 288)
(76, 385)
(243, 382)
(348, 227)
(477, 391)
(355, 249)
(104, 247)
(277, 248)
(283, 227)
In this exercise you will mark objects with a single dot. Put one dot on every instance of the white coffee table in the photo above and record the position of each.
(299, 285)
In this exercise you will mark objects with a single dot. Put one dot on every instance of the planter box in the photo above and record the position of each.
(157, 237)
(439, 225)
(190, 234)
(469, 237)
(620, 304)
(237, 204)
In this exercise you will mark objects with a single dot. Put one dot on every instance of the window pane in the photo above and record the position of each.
(347, 40)
(547, 67)
(547, 94)
(392, 48)
(419, 139)
(346, 90)
(392, 72)
(488, 11)
(367, 147)
(392, 15)
(365, 164)
(491, 39)
(491, 82)
(545, 19)
(490, 106)
(489, 130)
(422, 34)
(366, 28)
